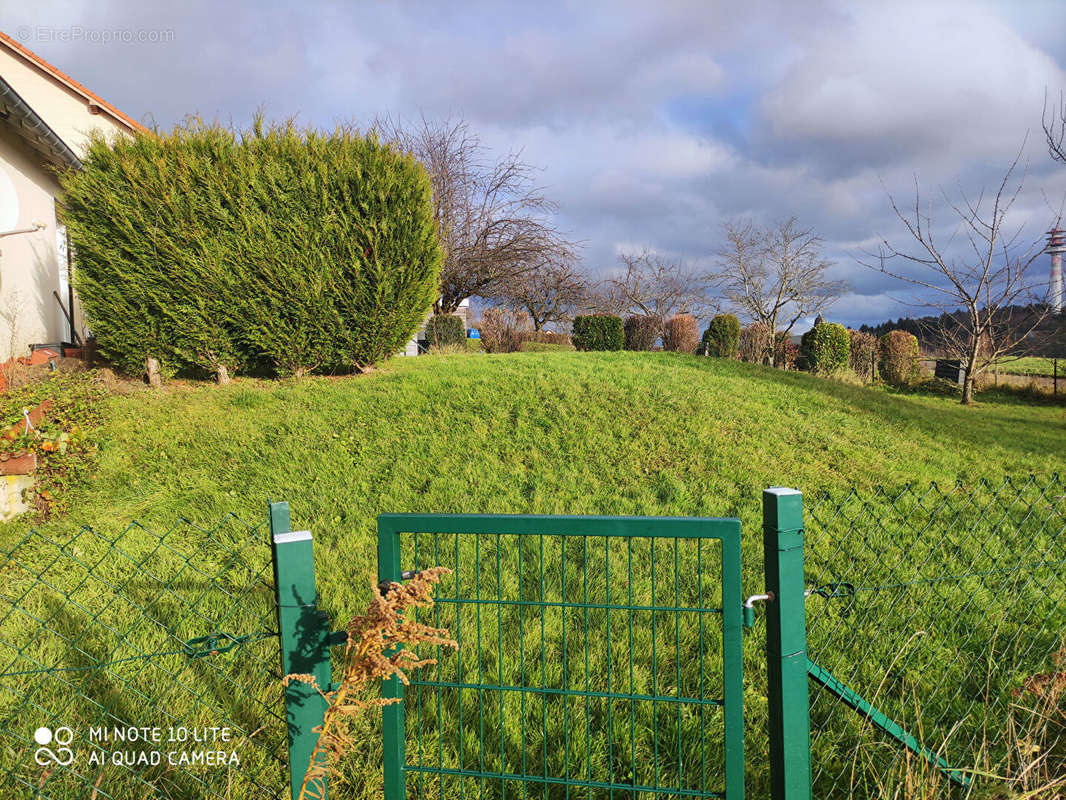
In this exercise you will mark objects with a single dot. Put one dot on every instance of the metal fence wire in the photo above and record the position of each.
(107, 639)
(936, 628)
(598, 657)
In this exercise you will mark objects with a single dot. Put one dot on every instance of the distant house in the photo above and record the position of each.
(45, 121)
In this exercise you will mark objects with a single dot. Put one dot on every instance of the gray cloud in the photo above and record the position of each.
(652, 122)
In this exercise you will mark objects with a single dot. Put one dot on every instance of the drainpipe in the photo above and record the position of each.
(33, 228)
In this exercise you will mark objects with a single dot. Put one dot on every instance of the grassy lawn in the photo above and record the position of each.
(1031, 366)
(575, 433)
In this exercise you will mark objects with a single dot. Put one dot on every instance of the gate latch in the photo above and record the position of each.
(749, 606)
(406, 575)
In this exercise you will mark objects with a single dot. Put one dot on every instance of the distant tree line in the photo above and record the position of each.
(935, 331)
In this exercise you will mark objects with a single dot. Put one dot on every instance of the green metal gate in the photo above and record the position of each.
(598, 657)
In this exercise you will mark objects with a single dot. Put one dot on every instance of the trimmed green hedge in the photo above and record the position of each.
(825, 348)
(598, 332)
(443, 329)
(722, 337)
(641, 332)
(215, 250)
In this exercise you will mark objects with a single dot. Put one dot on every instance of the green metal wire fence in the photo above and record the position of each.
(597, 655)
(936, 625)
(134, 649)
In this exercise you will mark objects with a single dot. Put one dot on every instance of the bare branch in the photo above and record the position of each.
(988, 304)
(492, 220)
(1054, 124)
(774, 275)
(653, 286)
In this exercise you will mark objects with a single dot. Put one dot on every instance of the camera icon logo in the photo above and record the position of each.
(62, 755)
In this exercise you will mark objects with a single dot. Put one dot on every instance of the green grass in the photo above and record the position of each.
(576, 433)
(1031, 366)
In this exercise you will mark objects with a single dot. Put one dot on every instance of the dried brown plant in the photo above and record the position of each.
(381, 644)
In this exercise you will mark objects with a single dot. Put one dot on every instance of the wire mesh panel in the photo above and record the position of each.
(598, 657)
(936, 624)
(140, 665)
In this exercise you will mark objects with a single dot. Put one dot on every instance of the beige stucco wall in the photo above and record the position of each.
(29, 267)
(65, 111)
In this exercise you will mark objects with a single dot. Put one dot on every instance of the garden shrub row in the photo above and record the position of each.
(222, 251)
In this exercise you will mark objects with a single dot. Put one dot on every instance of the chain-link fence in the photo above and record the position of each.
(936, 627)
(141, 665)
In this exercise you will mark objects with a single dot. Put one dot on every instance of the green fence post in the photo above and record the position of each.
(786, 646)
(392, 720)
(304, 647)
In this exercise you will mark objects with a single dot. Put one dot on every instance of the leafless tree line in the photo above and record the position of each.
(501, 245)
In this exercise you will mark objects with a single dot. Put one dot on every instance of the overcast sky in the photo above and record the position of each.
(652, 121)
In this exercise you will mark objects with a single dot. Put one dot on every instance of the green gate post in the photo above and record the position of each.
(392, 721)
(786, 646)
(304, 641)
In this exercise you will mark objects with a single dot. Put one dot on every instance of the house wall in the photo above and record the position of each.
(29, 267)
(65, 111)
(29, 270)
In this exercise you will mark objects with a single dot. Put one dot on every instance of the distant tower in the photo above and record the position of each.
(1056, 246)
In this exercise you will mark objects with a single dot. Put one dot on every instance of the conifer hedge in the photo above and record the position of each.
(445, 329)
(219, 251)
(722, 337)
(598, 332)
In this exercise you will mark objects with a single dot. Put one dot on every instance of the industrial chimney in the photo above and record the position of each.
(1056, 246)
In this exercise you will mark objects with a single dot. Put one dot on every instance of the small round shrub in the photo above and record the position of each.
(442, 329)
(897, 358)
(641, 332)
(863, 352)
(756, 343)
(826, 347)
(598, 332)
(681, 334)
(722, 337)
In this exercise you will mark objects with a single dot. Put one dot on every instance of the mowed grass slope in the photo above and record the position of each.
(609, 433)
(575, 433)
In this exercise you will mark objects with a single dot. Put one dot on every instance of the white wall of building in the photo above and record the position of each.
(33, 265)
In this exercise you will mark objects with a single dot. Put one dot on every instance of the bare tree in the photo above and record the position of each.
(550, 292)
(491, 218)
(776, 276)
(1054, 123)
(989, 281)
(654, 286)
